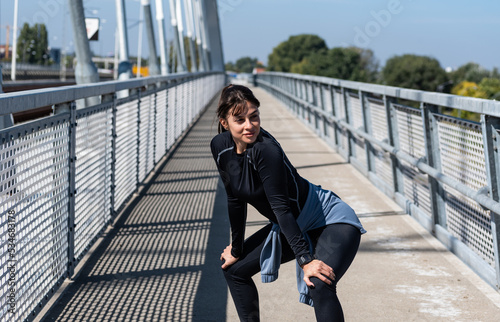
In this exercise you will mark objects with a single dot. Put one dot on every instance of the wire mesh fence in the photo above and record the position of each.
(65, 177)
(442, 170)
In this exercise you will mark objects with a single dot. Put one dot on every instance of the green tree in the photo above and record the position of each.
(246, 64)
(491, 87)
(470, 89)
(243, 65)
(412, 71)
(470, 72)
(229, 66)
(33, 44)
(294, 50)
(345, 63)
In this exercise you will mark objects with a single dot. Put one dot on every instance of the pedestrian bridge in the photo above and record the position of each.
(115, 211)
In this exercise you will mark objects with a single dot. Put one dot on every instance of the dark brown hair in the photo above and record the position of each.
(234, 97)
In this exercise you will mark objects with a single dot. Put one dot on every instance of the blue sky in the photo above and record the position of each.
(452, 31)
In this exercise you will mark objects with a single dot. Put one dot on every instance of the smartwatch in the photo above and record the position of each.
(305, 259)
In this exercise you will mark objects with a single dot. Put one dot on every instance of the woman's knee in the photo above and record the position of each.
(322, 289)
(229, 272)
(237, 272)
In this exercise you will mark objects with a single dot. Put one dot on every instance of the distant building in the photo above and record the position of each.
(258, 70)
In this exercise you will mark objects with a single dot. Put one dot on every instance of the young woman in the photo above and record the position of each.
(307, 223)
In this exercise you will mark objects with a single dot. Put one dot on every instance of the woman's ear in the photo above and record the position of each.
(224, 124)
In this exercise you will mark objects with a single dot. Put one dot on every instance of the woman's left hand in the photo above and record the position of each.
(227, 257)
(318, 269)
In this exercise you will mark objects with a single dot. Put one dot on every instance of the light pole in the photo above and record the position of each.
(14, 45)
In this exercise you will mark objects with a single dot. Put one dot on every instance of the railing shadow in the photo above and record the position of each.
(160, 262)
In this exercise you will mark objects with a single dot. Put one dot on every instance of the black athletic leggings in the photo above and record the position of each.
(335, 244)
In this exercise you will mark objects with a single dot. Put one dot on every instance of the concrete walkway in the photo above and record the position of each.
(161, 259)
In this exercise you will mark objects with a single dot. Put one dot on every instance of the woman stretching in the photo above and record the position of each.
(307, 223)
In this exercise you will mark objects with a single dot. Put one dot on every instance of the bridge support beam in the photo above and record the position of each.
(160, 19)
(181, 65)
(124, 67)
(199, 36)
(85, 71)
(153, 56)
(190, 29)
(211, 17)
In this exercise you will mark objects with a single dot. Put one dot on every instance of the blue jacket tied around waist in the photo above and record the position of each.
(322, 207)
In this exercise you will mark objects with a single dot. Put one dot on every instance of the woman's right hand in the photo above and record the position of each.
(227, 257)
(319, 269)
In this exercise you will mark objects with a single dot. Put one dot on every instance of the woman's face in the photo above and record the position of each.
(244, 127)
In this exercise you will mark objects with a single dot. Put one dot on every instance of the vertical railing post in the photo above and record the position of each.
(491, 140)
(175, 88)
(300, 111)
(154, 125)
(72, 189)
(307, 110)
(367, 124)
(431, 135)
(324, 122)
(335, 113)
(167, 94)
(314, 87)
(392, 128)
(114, 135)
(138, 158)
(314, 94)
(351, 152)
(297, 95)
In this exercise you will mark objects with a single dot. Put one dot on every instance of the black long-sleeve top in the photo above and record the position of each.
(263, 177)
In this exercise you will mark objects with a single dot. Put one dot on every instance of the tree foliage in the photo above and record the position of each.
(491, 87)
(471, 89)
(293, 51)
(487, 88)
(246, 64)
(33, 45)
(229, 66)
(470, 72)
(243, 65)
(412, 71)
(345, 63)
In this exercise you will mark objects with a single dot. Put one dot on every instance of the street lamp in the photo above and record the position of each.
(14, 46)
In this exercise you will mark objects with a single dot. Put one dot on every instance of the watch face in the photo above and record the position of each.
(305, 259)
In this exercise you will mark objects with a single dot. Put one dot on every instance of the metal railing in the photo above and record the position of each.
(65, 177)
(442, 170)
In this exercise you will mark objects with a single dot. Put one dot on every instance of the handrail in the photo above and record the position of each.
(22, 101)
(477, 196)
(470, 104)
